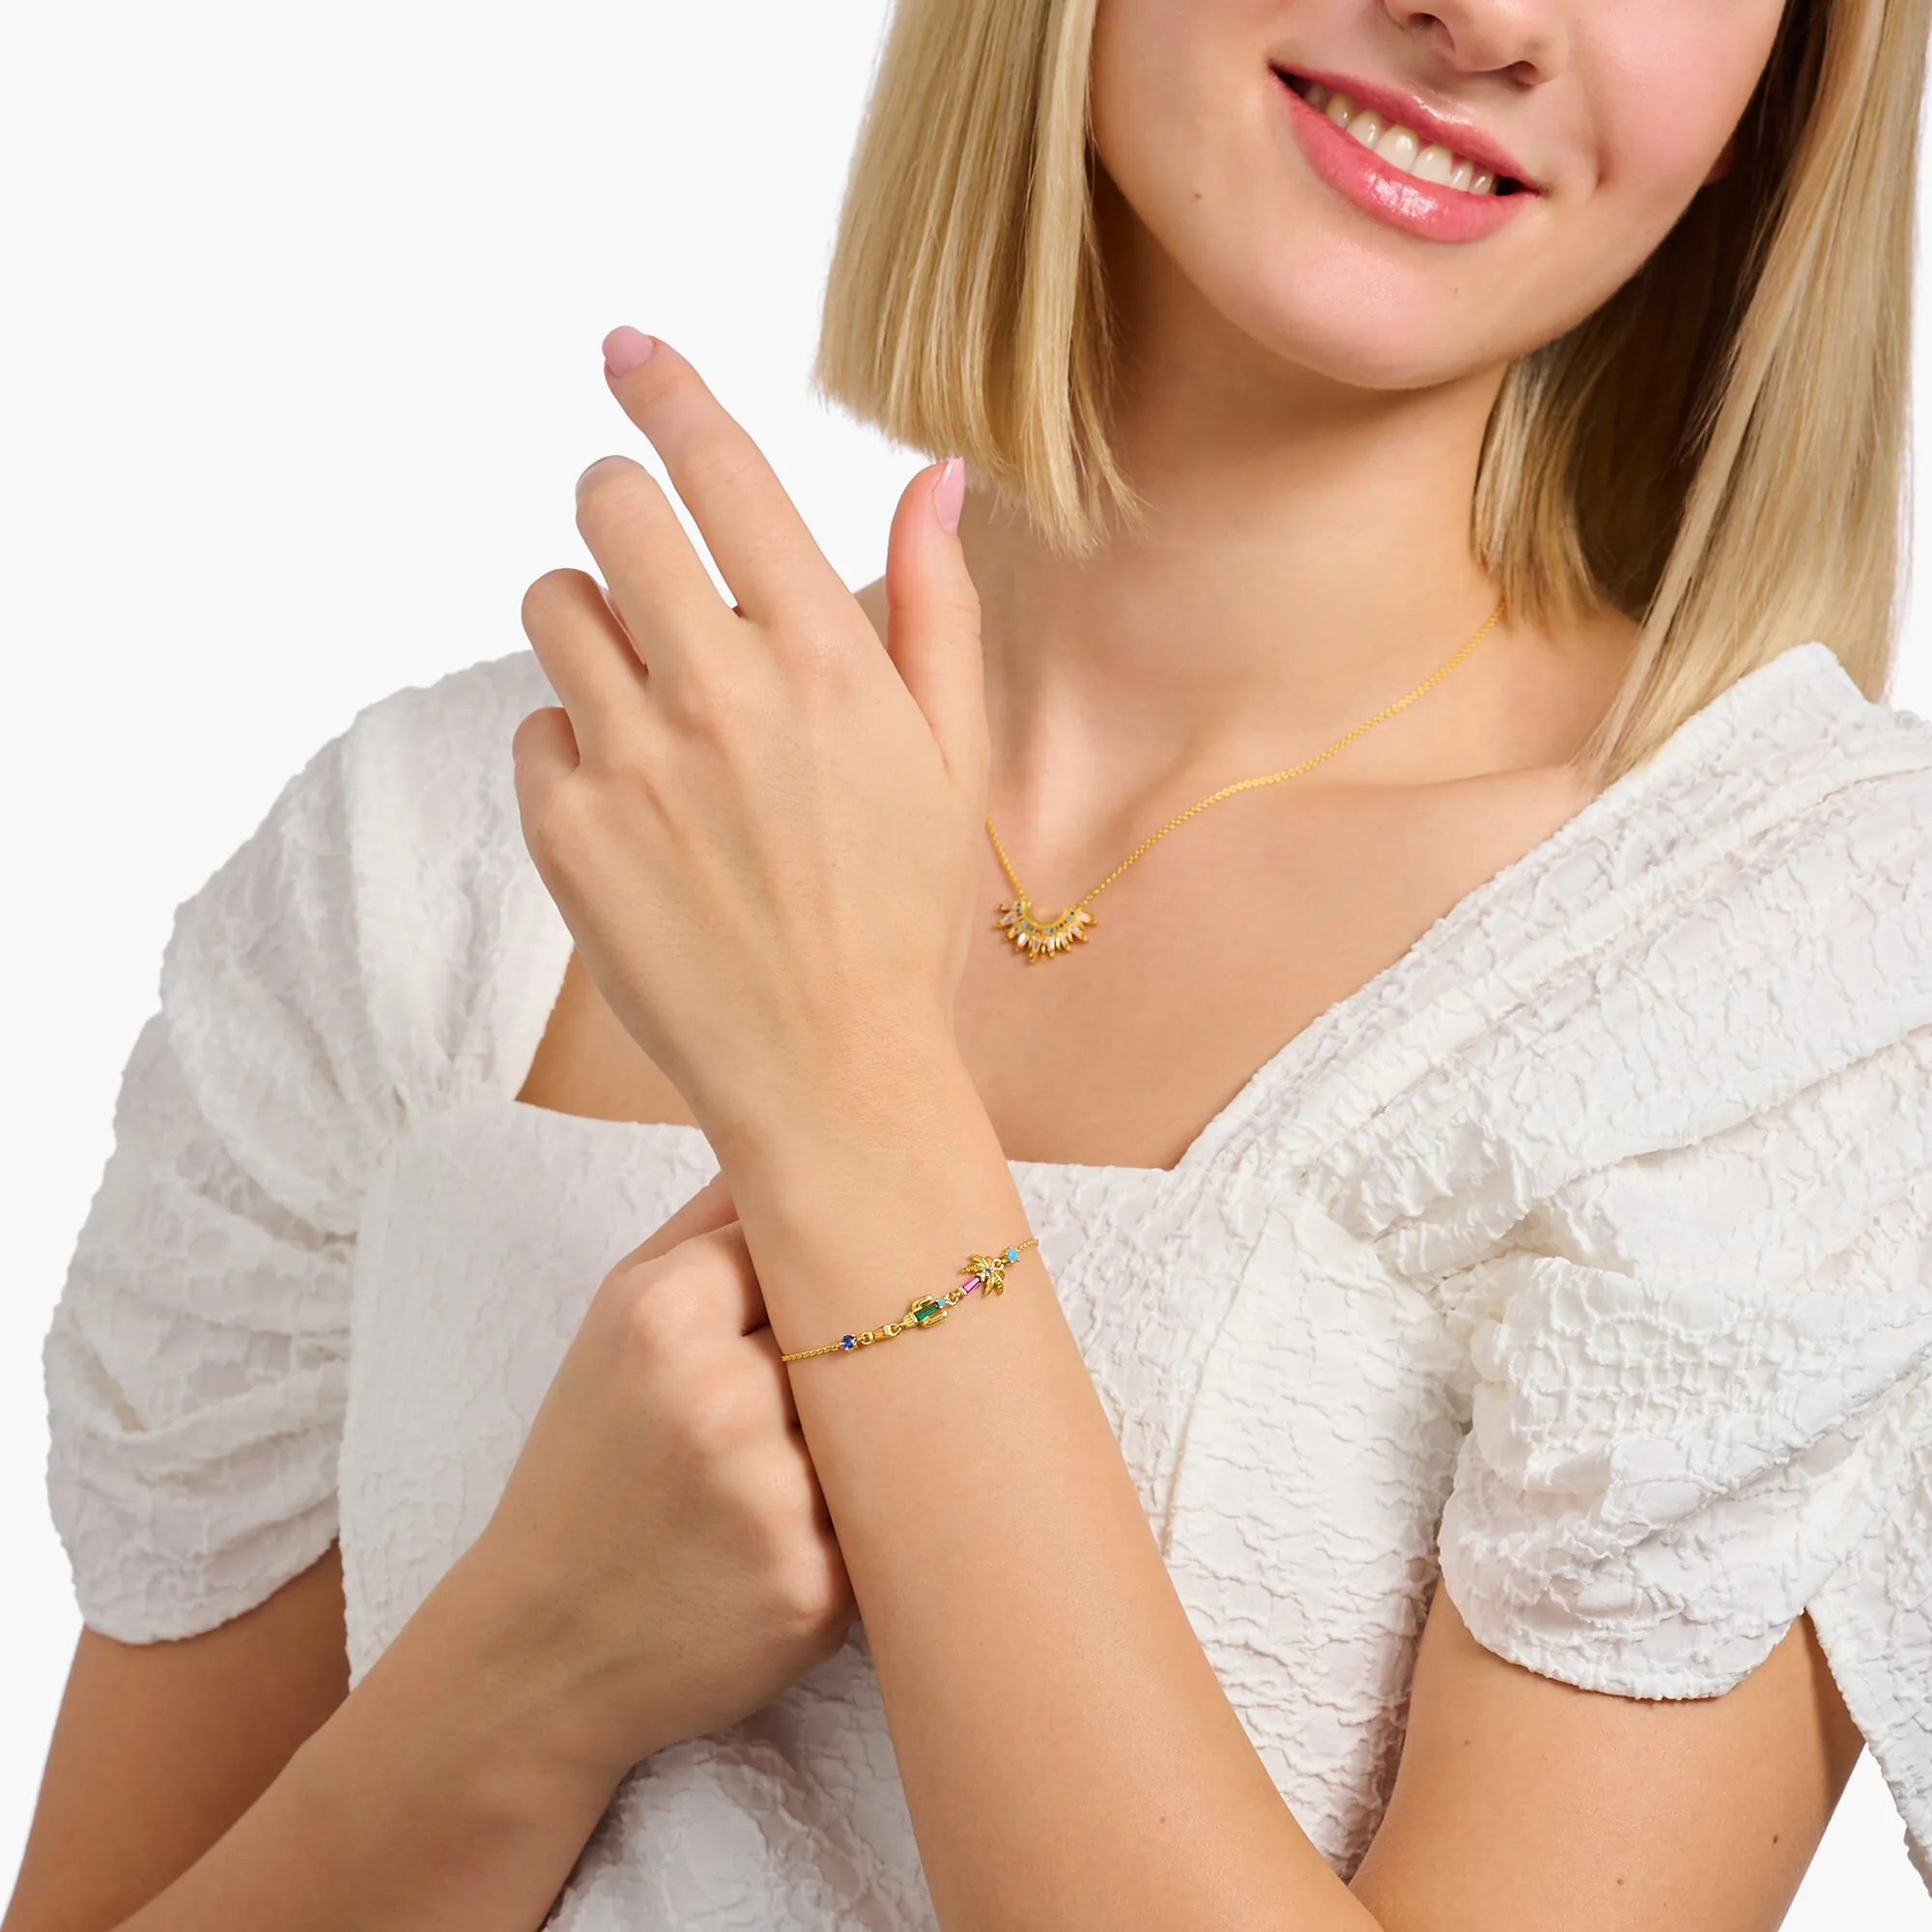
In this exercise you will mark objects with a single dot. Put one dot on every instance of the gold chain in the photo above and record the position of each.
(979, 1271)
(1046, 938)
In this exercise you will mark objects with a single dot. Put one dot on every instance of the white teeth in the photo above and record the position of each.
(1433, 164)
(1398, 146)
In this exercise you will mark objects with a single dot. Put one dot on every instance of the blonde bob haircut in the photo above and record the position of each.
(1718, 450)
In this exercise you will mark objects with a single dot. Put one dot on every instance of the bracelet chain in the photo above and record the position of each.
(987, 1271)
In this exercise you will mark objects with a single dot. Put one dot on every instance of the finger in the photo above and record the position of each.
(711, 1207)
(753, 530)
(721, 1282)
(586, 655)
(709, 1270)
(767, 1343)
(716, 1283)
(932, 619)
(736, 1276)
(658, 586)
(543, 751)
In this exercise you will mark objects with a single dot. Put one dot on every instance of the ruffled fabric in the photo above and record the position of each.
(1690, 1369)
(338, 975)
(1581, 1261)
(195, 1363)
(1649, 1122)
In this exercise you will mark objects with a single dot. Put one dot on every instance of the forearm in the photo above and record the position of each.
(1069, 1757)
(432, 1797)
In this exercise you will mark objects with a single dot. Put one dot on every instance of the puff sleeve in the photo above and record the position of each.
(195, 1363)
(1701, 1402)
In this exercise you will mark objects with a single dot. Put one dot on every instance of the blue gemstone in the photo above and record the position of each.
(1013, 1254)
(848, 1341)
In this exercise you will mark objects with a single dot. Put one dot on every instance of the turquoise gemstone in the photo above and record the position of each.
(1013, 1254)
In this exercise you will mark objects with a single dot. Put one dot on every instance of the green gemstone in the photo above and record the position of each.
(927, 1311)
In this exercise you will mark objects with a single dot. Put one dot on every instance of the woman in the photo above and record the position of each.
(1492, 1144)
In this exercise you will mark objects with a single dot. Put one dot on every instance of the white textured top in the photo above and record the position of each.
(1582, 1256)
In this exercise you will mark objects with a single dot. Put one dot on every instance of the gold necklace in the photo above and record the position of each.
(1047, 938)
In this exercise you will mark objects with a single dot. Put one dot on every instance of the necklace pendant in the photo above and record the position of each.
(1037, 938)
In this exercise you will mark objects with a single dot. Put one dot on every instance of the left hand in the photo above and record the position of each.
(661, 1562)
(761, 827)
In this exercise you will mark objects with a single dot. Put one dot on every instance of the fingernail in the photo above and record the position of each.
(949, 495)
(624, 349)
(583, 481)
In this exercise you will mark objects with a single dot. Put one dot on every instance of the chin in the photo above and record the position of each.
(1347, 317)
(1357, 347)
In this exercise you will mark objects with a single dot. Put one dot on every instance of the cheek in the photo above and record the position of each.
(1174, 89)
(1151, 97)
(1186, 125)
(1671, 82)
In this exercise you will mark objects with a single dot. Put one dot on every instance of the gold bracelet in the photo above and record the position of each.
(987, 1271)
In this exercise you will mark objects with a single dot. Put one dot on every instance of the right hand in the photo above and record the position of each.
(662, 1541)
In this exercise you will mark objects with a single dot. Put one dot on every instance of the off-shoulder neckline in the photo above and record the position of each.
(1604, 807)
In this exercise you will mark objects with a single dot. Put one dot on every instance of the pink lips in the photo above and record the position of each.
(1420, 208)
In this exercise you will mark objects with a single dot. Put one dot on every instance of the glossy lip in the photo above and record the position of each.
(1426, 210)
(1462, 138)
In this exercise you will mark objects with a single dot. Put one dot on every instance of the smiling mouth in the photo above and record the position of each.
(1400, 148)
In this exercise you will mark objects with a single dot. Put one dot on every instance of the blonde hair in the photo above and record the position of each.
(1719, 451)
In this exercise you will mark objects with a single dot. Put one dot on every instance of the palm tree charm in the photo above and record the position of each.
(1041, 939)
(991, 1269)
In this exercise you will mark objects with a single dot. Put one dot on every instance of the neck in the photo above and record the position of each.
(1305, 561)
(1300, 568)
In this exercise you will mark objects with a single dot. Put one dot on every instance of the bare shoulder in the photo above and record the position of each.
(159, 1747)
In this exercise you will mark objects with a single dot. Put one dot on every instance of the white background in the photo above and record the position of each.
(298, 359)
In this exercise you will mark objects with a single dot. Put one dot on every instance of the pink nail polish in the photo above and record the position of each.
(624, 349)
(949, 495)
